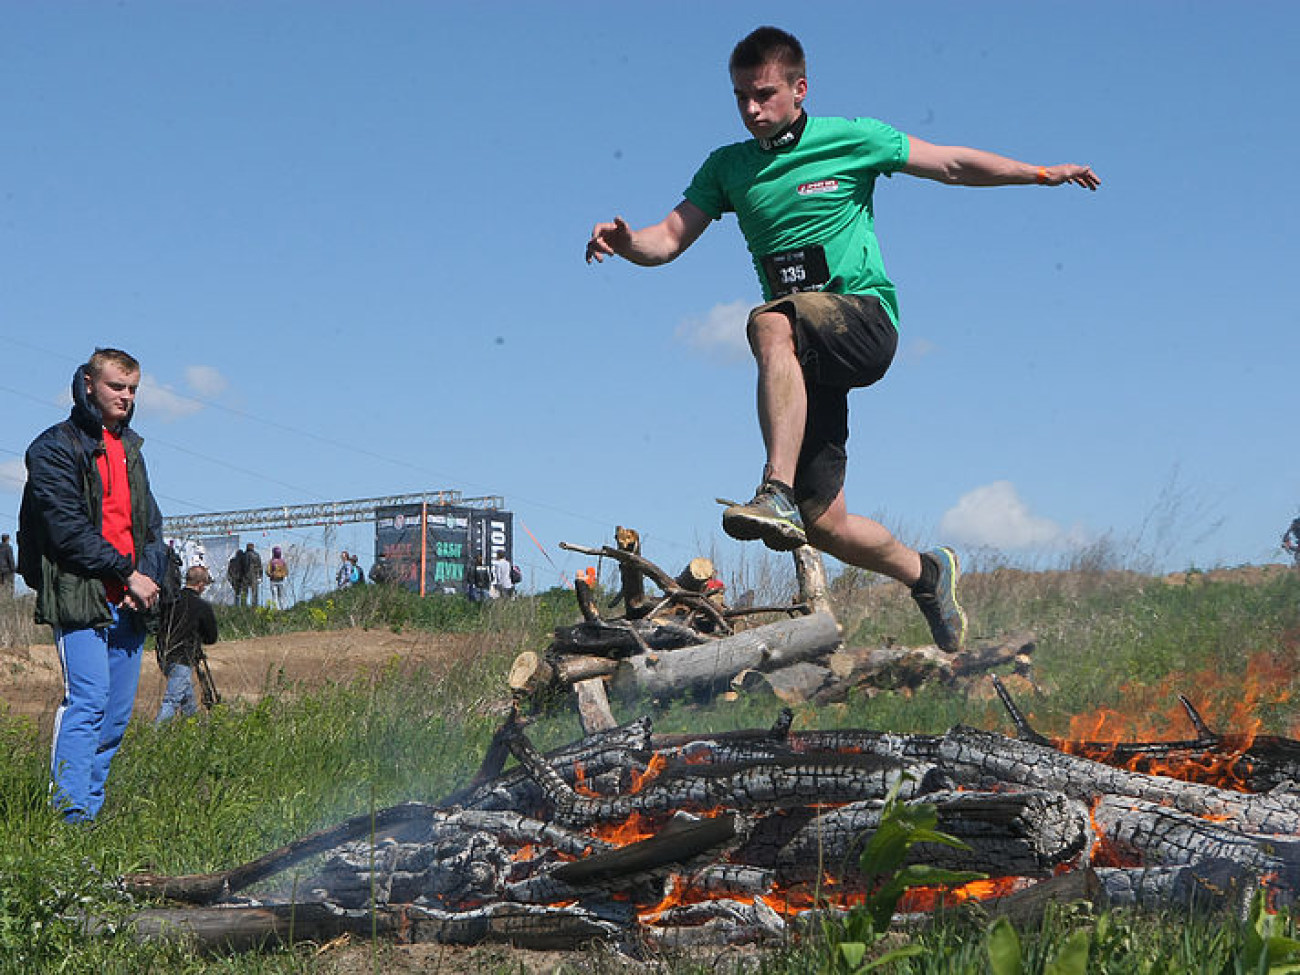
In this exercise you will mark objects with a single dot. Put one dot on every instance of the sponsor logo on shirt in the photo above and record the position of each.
(818, 186)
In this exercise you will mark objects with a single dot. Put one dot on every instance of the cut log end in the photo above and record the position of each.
(530, 674)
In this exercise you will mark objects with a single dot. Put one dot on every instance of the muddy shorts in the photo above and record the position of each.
(843, 342)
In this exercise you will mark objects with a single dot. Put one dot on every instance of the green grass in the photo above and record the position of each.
(210, 793)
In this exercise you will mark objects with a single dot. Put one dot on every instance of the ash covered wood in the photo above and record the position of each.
(535, 854)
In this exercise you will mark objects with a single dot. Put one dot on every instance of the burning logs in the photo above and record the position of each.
(731, 836)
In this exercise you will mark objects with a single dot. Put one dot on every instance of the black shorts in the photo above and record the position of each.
(843, 342)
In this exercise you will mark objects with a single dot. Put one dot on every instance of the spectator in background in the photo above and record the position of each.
(7, 567)
(356, 575)
(253, 580)
(277, 571)
(1291, 540)
(185, 625)
(502, 576)
(237, 576)
(343, 577)
(479, 585)
(91, 546)
(381, 573)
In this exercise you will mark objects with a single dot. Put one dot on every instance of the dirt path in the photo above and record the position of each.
(31, 684)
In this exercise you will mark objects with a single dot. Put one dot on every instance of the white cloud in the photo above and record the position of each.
(720, 334)
(205, 380)
(158, 400)
(13, 475)
(995, 516)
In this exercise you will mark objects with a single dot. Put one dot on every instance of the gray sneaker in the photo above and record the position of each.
(940, 608)
(771, 516)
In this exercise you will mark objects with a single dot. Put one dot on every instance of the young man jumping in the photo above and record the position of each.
(801, 189)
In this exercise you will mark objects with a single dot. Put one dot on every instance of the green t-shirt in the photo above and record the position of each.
(817, 192)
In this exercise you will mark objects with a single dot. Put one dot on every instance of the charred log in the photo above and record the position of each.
(1022, 834)
(980, 758)
(772, 785)
(245, 928)
(209, 887)
(1209, 887)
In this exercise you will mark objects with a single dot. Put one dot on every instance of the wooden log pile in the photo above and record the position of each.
(629, 836)
(688, 641)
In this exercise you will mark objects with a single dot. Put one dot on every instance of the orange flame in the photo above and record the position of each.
(640, 779)
(1153, 713)
(580, 782)
(929, 898)
(636, 827)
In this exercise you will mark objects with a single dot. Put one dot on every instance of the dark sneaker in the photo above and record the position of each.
(940, 608)
(771, 516)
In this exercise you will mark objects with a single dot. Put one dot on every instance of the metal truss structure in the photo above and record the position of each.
(308, 515)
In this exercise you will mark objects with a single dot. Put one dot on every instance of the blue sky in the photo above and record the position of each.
(345, 239)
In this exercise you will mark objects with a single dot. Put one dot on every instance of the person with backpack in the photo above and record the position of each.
(343, 577)
(185, 624)
(356, 575)
(277, 571)
(90, 545)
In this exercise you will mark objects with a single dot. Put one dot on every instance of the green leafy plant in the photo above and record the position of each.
(1005, 954)
(902, 826)
(1264, 949)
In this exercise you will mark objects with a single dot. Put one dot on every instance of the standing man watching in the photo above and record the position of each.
(91, 546)
(185, 626)
(501, 576)
(7, 568)
(801, 189)
(252, 574)
(237, 575)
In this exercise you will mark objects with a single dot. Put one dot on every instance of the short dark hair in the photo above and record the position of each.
(766, 44)
(123, 360)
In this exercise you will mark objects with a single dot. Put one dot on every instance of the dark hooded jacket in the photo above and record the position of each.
(62, 552)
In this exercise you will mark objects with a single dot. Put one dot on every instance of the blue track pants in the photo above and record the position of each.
(101, 671)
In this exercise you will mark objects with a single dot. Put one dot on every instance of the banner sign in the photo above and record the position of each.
(453, 538)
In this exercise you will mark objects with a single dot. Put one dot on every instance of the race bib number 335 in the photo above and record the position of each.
(800, 269)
